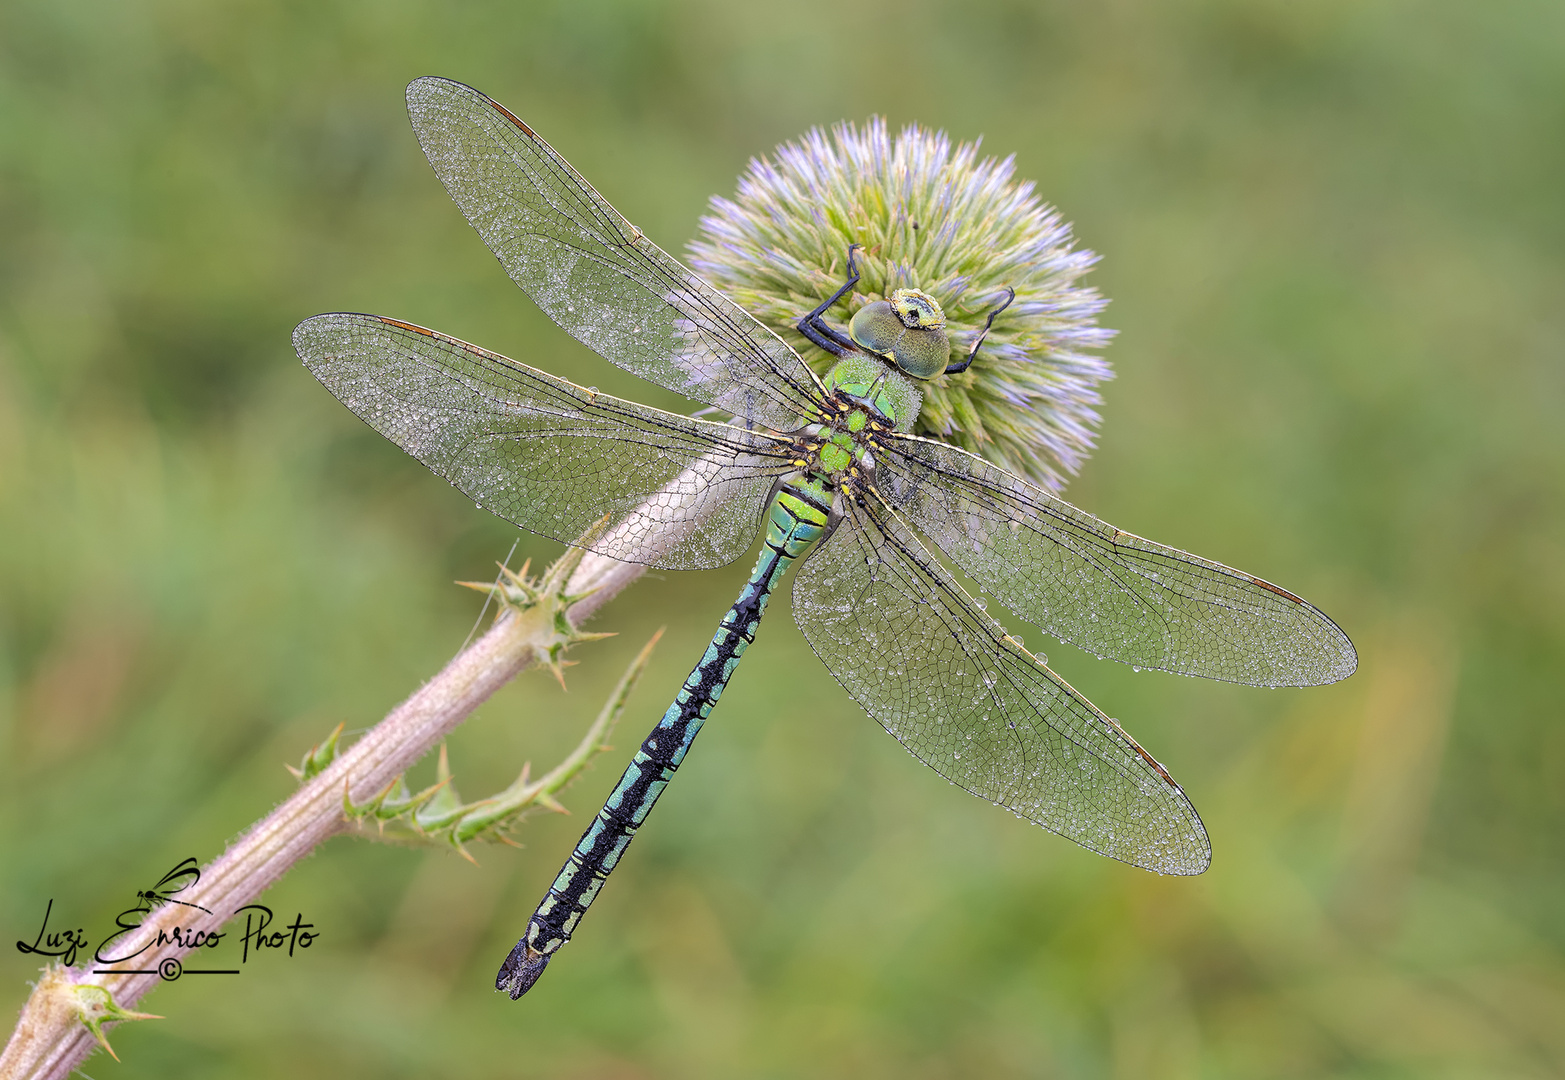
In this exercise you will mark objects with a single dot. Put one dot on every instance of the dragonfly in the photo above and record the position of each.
(827, 469)
(185, 874)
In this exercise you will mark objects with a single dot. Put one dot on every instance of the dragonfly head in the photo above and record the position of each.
(867, 381)
(908, 328)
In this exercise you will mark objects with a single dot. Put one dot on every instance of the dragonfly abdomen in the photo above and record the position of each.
(795, 519)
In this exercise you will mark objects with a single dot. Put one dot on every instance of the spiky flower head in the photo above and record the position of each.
(934, 217)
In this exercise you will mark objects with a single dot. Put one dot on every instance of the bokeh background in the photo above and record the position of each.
(1333, 237)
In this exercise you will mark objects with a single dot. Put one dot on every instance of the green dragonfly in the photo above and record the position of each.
(831, 471)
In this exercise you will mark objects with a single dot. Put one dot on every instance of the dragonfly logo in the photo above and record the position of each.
(129, 941)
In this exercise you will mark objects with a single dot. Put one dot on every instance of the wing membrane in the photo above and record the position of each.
(908, 643)
(1110, 592)
(593, 272)
(544, 453)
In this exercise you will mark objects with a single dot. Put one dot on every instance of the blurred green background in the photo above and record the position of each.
(1333, 236)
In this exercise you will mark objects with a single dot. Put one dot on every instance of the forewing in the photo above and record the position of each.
(544, 453)
(593, 272)
(911, 647)
(1109, 592)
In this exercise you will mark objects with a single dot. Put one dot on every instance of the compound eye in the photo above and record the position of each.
(923, 354)
(876, 327)
(907, 329)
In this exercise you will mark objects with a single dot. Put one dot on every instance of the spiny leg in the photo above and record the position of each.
(962, 365)
(815, 328)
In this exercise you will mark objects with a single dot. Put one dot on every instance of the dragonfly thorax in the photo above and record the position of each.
(833, 458)
(866, 394)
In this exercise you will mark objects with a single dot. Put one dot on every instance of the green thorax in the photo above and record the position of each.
(866, 400)
(872, 394)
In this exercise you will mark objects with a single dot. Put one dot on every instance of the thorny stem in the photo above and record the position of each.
(51, 1038)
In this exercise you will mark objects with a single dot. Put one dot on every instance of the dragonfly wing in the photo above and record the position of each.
(593, 272)
(1109, 592)
(544, 453)
(909, 644)
(184, 875)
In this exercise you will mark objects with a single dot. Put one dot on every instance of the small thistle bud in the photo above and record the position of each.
(934, 217)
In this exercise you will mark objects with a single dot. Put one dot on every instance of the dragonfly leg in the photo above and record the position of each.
(962, 365)
(814, 327)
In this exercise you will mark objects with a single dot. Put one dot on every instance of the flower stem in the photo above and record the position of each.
(52, 1038)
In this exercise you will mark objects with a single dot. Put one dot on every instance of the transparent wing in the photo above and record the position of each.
(910, 646)
(1110, 592)
(544, 453)
(593, 272)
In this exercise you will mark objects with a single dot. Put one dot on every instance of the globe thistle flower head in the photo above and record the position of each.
(934, 217)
